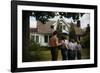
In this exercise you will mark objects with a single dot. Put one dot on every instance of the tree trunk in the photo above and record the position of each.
(25, 35)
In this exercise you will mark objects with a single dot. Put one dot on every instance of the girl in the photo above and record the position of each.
(64, 47)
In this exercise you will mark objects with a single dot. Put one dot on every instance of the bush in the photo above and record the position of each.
(37, 52)
(34, 46)
(86, 41)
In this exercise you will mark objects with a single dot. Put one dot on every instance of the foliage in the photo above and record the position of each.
(44, 16)
(37, 52)
(34, 46)
(75, 16)
(86, 41)
(86, 38)
(72, 32)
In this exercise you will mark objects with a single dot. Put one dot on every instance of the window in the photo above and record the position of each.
(33, 38)
(45, 38)
(64, 27)
(37, 38)
(49, 37)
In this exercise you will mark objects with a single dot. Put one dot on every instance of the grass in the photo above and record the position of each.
(45, 55)
(85, 53)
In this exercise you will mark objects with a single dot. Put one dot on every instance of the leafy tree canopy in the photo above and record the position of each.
(44, 16)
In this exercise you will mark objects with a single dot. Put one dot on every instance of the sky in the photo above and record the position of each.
(85, 19)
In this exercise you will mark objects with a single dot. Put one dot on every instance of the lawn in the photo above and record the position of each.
(45, 55)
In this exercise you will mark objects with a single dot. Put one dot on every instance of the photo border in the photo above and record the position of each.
(14, 65)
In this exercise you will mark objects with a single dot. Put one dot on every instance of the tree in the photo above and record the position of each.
(86, 38)
(87, 29)
(44, 16)
(72, 32)
(75, 16)
(25, 30)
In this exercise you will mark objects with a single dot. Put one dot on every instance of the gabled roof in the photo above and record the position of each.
(46, 28)
(33, 30)
(43, 28)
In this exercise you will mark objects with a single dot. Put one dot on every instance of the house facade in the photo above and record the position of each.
(43, 32)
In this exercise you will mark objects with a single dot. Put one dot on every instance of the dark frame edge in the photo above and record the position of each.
(55, 68)
(68, 5)
(95, 36)
(13, 36)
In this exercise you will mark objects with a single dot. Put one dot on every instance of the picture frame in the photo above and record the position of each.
(19, 25)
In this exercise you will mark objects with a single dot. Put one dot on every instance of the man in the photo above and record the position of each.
(53, 43)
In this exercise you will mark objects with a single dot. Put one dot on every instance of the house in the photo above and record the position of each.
(43, 32)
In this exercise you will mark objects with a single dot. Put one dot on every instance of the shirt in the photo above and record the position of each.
(53, 41)
(78, 47)
(64, 42)
(71, 46)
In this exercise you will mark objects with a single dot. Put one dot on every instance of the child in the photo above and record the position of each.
(71, 50)
(64, 47)
(78, 50)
